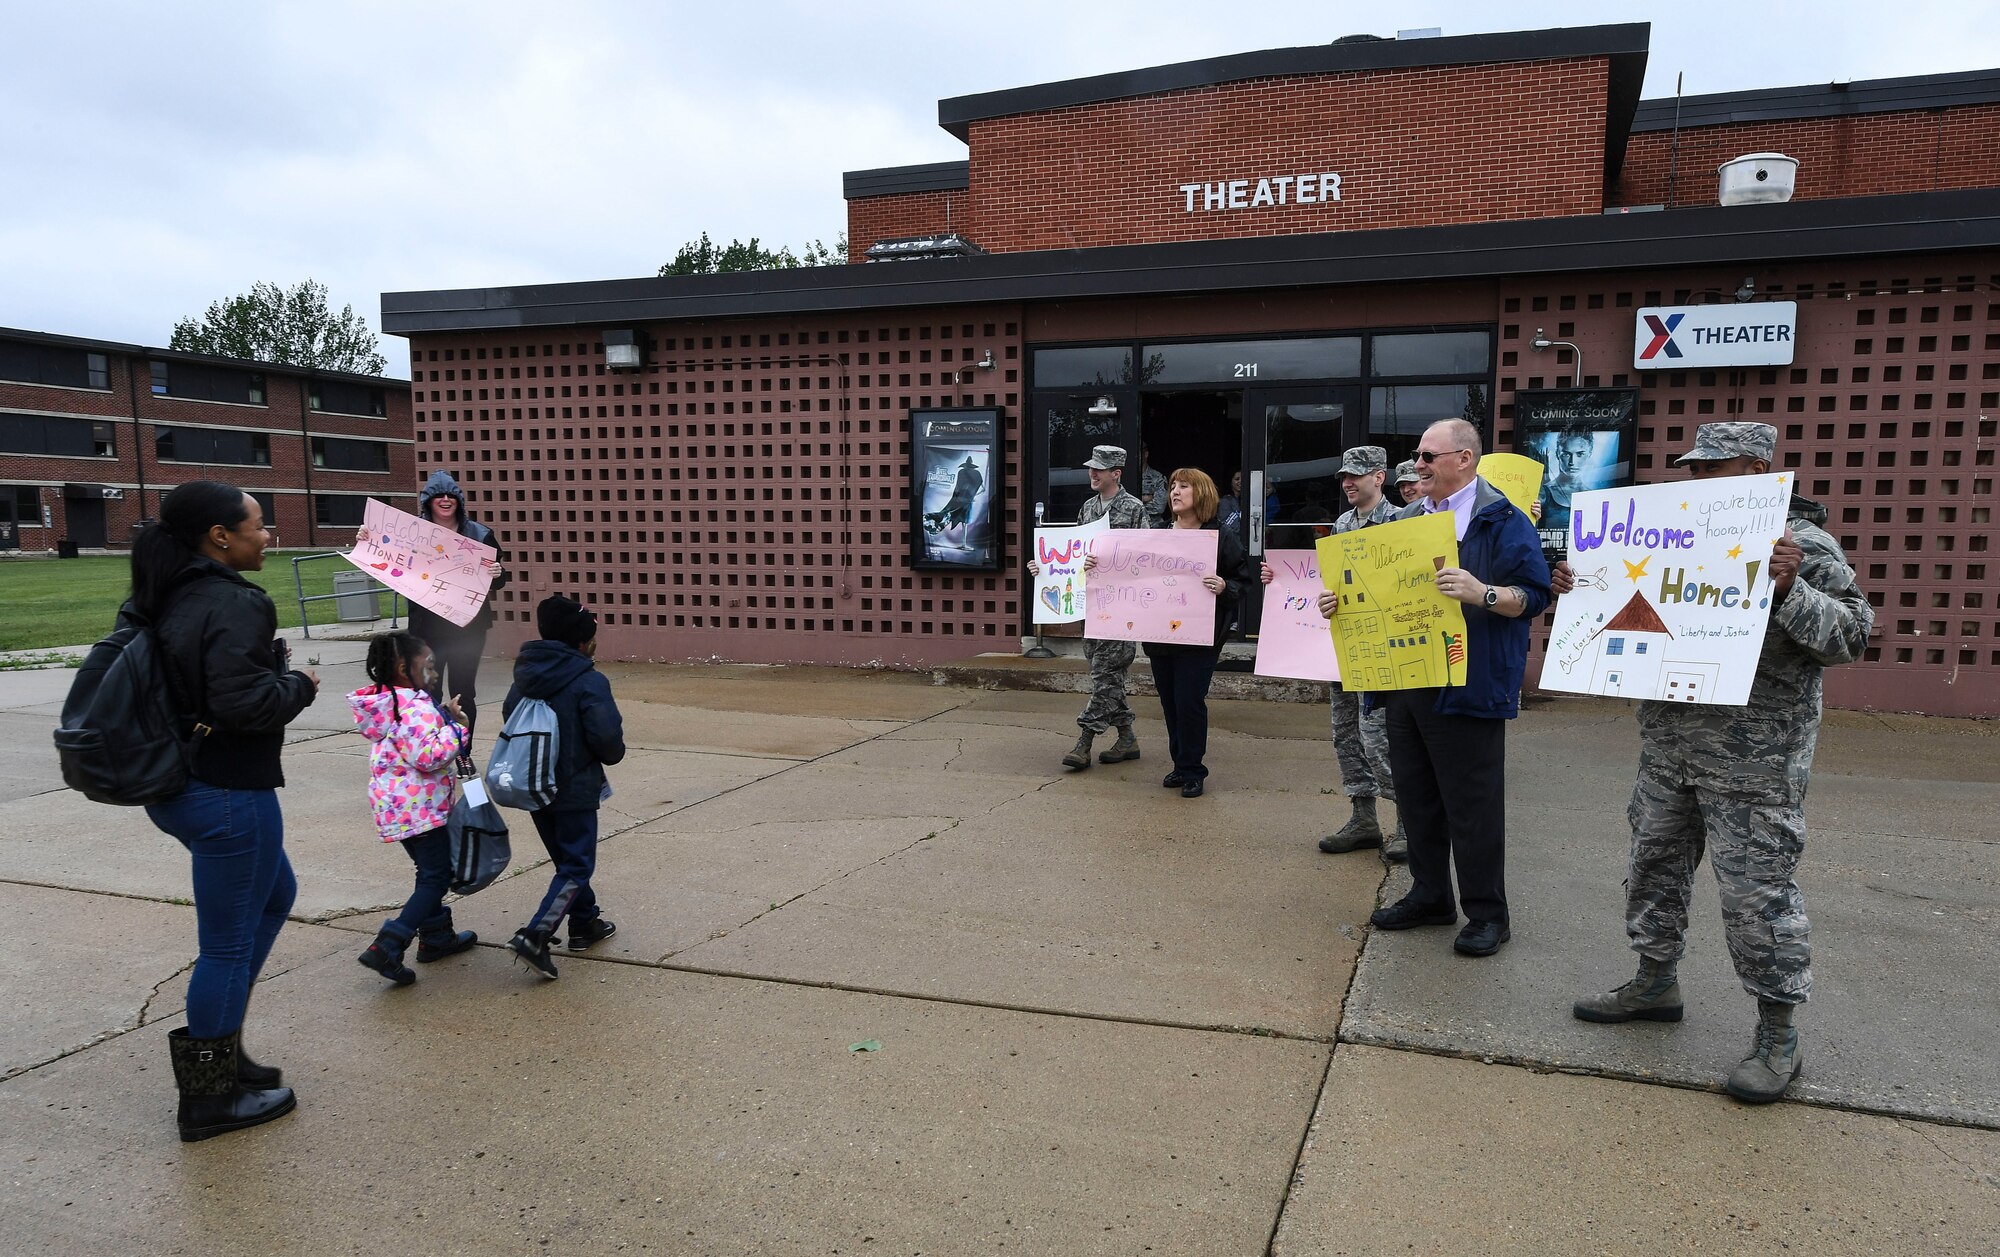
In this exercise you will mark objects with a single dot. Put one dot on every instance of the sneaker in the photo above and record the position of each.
(587, 934)
(533, 949)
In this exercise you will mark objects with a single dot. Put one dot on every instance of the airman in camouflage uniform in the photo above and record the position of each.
(1734, 779)
(1109, 661)
(1406, 481)
(1361, 739)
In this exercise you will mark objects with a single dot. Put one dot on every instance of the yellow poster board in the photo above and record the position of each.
(1393, 630)
(1517, 476)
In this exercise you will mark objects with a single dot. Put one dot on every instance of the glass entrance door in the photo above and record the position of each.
(1292, 442)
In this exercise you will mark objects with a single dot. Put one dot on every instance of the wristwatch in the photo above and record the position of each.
(1492, 597)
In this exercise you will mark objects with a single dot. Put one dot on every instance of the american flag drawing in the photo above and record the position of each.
(1454, 649)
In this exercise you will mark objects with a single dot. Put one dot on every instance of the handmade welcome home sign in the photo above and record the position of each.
(1515, 475)
(1059, 593)
(1673, 590)
(1147, 586)
(434, 567)
(1393, 630)
(1292, 638)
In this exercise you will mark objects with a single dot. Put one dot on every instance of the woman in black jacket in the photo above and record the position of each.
(1182, 673)
(228, 672)
(455, 650)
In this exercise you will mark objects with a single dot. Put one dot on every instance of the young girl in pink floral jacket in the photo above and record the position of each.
(410, 786)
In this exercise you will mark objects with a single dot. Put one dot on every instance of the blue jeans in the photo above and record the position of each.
(243, 888)
(430, 851)
(571, 840)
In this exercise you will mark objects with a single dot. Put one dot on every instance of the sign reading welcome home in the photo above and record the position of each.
(1234, 194)
(1751, 334)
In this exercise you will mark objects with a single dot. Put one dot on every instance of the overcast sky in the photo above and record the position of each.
(156, 157)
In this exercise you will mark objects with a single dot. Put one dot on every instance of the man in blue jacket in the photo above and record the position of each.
(589, 734)
(1448, 746)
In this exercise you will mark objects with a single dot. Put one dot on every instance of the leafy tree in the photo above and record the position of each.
(705, 257)
(290, 325)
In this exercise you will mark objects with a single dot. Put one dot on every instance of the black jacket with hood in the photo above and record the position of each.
(428, 624)
(589, 731)
(217, 638)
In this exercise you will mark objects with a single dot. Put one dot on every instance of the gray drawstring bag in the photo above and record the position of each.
(522, 772)
(479, 849)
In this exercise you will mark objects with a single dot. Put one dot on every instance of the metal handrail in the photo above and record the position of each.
(299, 586)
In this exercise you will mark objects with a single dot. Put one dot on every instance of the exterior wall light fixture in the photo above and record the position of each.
(1541, 344)
(1104, 406)
(624, 349)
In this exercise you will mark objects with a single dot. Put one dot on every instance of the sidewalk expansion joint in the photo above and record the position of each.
(1536, 1066)
(1325, 1073)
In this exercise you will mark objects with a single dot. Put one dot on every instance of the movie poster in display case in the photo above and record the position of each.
(1587, 439)
(955, 481)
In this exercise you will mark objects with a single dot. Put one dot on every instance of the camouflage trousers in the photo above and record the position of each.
(1107, 706)
(1754, 842)
(1361, 743)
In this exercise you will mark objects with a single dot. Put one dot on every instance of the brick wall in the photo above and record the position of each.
(136, 414)
(743, 497)
(1866, 155)
(1413, 147)
(874, 218)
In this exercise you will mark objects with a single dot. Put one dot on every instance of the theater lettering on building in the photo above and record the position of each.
(1247, 264)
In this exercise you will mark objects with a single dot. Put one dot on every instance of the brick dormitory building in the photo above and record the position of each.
(1247, 264)
(93, 433)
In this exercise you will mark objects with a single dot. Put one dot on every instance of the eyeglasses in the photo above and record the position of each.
(1431, 456)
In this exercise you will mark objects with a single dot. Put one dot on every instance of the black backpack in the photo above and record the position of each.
(120, 739)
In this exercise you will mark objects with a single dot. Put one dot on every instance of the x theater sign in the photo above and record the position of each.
(1749, 334)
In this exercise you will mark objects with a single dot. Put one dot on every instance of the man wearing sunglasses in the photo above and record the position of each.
(1448, 745)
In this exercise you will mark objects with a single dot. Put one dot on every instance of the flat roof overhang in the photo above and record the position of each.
(1820, 230)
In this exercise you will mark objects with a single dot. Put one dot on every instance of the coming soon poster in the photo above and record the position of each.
(1586, 439)
(955, 486)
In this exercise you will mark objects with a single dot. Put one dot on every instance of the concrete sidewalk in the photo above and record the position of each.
(1110, 1020)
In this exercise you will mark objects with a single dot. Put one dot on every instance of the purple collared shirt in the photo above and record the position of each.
(1459, 504)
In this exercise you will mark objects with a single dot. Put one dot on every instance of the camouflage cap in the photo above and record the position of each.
(1105, 457)
(1363, 459)
(1720, 442)
(1406, 472)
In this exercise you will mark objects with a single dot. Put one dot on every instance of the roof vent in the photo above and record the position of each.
(946, 244)
(1359, 39)
(1757, 179)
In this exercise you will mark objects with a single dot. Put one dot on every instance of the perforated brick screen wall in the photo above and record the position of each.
(1888, 415)
(744, 496)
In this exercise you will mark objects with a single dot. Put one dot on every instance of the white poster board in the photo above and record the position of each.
(1673, 590)
(434, 567)
(1058, 594)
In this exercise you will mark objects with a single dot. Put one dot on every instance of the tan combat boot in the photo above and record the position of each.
(1126, 747)
(1079, 755)
(1654, 995)
(1774, 1058)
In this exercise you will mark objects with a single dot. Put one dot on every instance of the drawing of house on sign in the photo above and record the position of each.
(1631, 652)
(1364, 630)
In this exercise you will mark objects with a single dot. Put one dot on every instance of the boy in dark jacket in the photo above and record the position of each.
(589, 735)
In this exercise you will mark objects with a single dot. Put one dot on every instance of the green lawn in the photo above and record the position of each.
(72, 602)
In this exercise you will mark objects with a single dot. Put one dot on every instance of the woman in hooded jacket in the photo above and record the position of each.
(228, 672)
(455, 651)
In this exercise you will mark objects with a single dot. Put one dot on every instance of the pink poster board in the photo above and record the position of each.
(433, 567)
(1146, 586)
(1293, 638)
